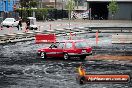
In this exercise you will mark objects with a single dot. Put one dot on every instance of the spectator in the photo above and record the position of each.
(74, 16)
(20, 23)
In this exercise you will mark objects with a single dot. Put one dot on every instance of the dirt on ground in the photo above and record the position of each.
(109, 57)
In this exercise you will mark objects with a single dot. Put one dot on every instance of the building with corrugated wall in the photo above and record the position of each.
(99, 9)
(7, 8)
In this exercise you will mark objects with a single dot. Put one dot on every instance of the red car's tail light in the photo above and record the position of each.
(39, 50)
(89, 49)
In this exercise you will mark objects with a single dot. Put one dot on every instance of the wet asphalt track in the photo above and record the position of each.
(20, 67)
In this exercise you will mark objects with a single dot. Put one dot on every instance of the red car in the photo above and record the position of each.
(67, 49)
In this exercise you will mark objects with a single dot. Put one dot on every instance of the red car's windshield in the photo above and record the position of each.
(81, 44)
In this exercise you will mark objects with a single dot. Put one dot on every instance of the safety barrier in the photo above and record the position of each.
(123, 29)
(3, 38)
(24, 36)
(122, 38)
(66, 33)
(16, 37)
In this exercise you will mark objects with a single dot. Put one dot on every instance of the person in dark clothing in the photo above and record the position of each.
(20, 23)
(74, 17)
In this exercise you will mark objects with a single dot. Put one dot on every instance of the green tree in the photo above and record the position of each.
(113, 7)
(33, 3)
(70, 7)
(28, 3)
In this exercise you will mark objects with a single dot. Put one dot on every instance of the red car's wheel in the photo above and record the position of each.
(43, 55)
(66, 56)
(82, 57)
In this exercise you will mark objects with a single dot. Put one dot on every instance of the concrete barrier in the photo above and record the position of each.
(3, 38)
(16, 37)
(24, 36)
(10, 37)
(30, 35)
(122, 38)
(36, 32)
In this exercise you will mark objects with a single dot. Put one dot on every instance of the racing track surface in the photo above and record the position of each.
(20, 67)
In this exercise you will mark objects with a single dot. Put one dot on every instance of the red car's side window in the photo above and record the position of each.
(68, 45)
(81, 44)
(61, 45)
(54, 45)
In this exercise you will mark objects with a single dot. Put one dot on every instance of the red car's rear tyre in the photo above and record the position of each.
(43, 55)
(82, 57)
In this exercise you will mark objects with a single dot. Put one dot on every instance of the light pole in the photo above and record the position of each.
(33, 11)
(20, 8)
(62, 9)
(69, 16)
(55, 4)
(71, 7)
(55, 9)
(40, 3)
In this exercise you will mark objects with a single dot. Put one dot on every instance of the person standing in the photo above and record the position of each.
(20, 23)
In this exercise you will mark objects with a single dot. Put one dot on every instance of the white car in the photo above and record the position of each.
(9, 22)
